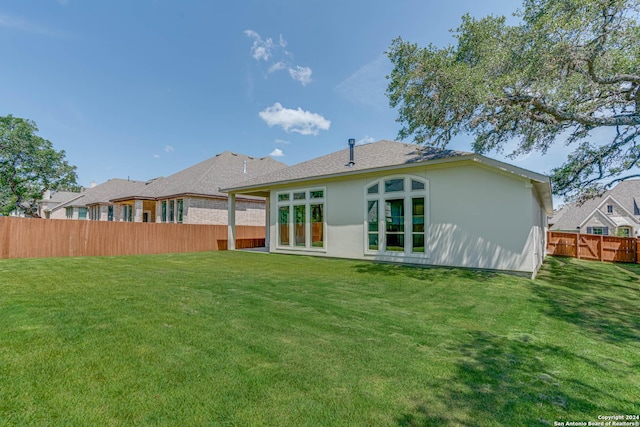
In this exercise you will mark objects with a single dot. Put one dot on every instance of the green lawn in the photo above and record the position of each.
(238, 338)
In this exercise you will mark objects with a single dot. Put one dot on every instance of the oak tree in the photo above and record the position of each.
(567, 72)
(29, 166)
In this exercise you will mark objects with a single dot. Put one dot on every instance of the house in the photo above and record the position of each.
(92, 203)
(50, 205)
(97, 200)
(396, 202)
(616, 212)
(193, 196)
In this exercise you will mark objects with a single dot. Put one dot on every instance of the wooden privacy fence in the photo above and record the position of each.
(594, 247)
(38, 238)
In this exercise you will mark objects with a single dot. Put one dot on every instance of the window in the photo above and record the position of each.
(69, 213)
(94, 212)
(300, 223)
(317, 225)
(393, 185)
(603, 231)
(394, 220)
(283, 225)
(397, 218)
(372, 227)
(624, 231)
(172, 210)
(82, 213)
(417, 185)
(110, 213)
(301, 219)
(609, 208)
(180, 208)
(127, 213)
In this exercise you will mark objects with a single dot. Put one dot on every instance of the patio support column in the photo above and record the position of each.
(231, 229)
(267, 214)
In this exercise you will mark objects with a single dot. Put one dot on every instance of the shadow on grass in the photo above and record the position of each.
(603, 299)
(502, 381)
(427, 273)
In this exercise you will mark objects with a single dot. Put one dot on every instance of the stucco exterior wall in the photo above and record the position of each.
(478, 218)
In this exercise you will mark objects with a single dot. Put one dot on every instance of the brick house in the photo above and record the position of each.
(193, 196)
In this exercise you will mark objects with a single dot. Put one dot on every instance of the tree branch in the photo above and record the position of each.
(564, 116)
(620, 78)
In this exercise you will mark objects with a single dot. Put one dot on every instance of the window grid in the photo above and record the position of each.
(301, 219)
(396, 215)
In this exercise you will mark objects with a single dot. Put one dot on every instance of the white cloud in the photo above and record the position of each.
(282, 42)
(261, 49)
(277, 153)
(277, 67)
(301, 74)
(168, 148)
(282, 141)
(366, 140)
(300, 121)
(156, 156)
(275, 55)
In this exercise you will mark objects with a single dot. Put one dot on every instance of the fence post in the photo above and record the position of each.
(600, 248)
(578, 244)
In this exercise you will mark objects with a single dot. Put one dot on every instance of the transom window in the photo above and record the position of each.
(396, 209)
(301, 219)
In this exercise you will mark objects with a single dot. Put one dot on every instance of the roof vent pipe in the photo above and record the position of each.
(352, 143)
(244, 166)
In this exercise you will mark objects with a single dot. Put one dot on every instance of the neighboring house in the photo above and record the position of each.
(98, 198)
(616, 212)
(193, 196)
(397, 202)
(94, 203)
(50, 205)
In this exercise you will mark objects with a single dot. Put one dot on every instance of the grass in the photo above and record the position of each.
(237, 338)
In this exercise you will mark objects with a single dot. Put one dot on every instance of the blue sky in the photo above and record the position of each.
(146, 88)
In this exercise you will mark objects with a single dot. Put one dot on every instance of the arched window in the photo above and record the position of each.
(397, 217)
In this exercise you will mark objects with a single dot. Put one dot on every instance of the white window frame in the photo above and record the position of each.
(407, 195)
(307, 202)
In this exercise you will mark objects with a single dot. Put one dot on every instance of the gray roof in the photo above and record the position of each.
(572, 215)
(102, 193)
(375, 155)
(62, 196)
(207, 177)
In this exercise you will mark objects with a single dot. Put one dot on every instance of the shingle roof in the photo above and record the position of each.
(366, 156)
(572, 215)
(207, 177)
(62, 196)
(102, 193)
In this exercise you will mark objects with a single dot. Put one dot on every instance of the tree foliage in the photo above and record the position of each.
(29, 166)
(570, 69)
